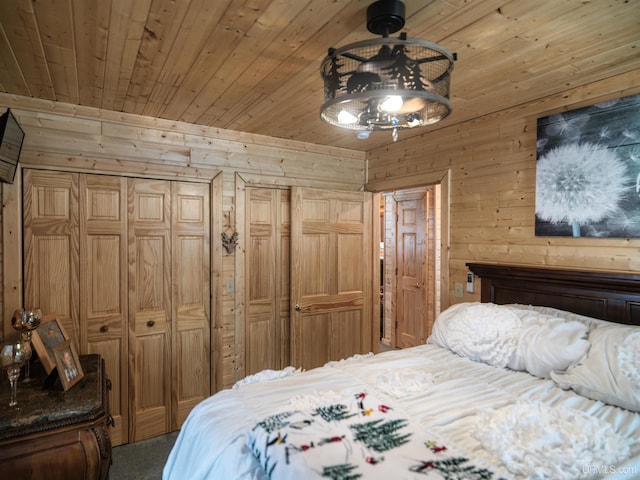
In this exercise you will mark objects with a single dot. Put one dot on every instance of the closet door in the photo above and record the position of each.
(75, 266)
(125, 265)
(267, 273)
(149, 252)
(190, 242)
(51, 248)
(103, 286)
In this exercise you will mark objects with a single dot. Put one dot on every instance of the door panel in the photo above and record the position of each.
(316, 352)
(350, 264)
(261, 325)
(284, 276)
(149, 391)
(267, 273)
(411, 267)
(316, 263)
(103, 286)
(190, 298)
(51, 247)
(149, 232)
(331, 262)
(344, 343)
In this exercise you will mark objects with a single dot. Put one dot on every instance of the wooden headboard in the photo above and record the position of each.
(609, 296)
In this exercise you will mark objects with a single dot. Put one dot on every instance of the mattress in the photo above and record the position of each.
(491, 415)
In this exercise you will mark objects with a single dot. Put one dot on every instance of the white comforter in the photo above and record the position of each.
(479, 410)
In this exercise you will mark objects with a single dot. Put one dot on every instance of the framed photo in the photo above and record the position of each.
(49, 334)
(68, 364)
(588, 173)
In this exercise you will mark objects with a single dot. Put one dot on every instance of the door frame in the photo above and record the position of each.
(442, 219)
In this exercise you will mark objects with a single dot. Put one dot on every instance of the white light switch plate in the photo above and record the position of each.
(470, 282)
(229, 285)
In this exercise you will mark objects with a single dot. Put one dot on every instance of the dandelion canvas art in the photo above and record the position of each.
(588, 171)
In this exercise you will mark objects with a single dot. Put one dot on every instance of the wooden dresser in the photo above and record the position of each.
(55, 434)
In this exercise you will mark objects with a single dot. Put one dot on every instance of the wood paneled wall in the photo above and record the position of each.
(491, 161)
(487, 167)
(65, 137)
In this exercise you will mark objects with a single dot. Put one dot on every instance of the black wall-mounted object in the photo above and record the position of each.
(11, 138)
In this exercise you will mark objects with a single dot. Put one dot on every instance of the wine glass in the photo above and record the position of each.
(25, 321)
(12, 357)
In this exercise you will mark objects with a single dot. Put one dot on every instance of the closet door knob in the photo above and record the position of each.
(150, 323)
(104, 328)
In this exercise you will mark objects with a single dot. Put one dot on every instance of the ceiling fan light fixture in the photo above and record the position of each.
(392, 103)
(386, 83)
(345, 117)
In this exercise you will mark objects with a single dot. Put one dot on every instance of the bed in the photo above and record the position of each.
(541, 379)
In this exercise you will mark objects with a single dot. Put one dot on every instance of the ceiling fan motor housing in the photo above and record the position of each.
(385, 17)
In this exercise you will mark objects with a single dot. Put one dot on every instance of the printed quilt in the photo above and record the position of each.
(356, 437)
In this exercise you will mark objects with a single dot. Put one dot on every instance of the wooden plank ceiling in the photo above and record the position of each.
(253, 65)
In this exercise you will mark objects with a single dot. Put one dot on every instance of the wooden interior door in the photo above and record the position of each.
(267, 272)
(411, 263)
(331, 268)
(125, 265)
(191, 293)
(51, 245)
(149, 232)
(103, 287)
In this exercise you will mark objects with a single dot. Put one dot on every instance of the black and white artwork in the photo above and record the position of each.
(588, 171)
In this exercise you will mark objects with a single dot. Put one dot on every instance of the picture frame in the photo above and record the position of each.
(587, 171)
(68, 364)
(49, 334)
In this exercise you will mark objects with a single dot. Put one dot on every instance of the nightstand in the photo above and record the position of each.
(55, 434)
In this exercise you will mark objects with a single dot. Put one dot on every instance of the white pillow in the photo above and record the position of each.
(611, 370)
(589, 322)
(548, 343)
(483, 332)
(512, 336)
(440, 327)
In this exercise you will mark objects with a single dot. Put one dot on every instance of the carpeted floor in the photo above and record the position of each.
(141, 460)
